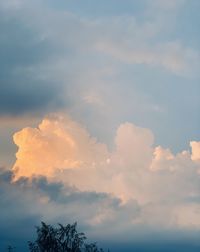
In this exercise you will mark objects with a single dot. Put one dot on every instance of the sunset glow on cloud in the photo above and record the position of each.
(62, 150)
(56, 144)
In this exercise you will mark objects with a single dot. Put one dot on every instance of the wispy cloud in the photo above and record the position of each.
(170, 56)
(40, 63)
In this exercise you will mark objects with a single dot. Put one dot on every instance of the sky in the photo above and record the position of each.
(100, 121)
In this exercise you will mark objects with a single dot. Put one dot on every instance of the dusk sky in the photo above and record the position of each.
(100, 121)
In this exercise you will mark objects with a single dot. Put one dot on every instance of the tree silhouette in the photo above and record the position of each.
(61, 239)
(10, 248)
(92, 248)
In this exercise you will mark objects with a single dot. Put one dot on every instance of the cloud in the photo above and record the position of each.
(42, 51)
(139, 142)
(166, 5)
(160, 181)
(57, 143)
(23, 89)
(26, 202)
(171, 56)
(195, 150)
(101, 216)
(130, 188)
(60, 145)
(52, 59)
(93, 99)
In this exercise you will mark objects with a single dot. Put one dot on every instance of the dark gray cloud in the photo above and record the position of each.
(16, 220)
(22, 89)
(25, 203)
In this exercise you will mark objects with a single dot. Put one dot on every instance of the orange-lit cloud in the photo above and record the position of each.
(56, 144)
(195, 150)
(61, 149)
(160, 182)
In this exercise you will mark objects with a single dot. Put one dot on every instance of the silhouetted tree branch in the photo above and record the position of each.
(61, 239)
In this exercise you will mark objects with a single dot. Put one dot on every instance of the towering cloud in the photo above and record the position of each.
(63, 150)
(58, 143)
